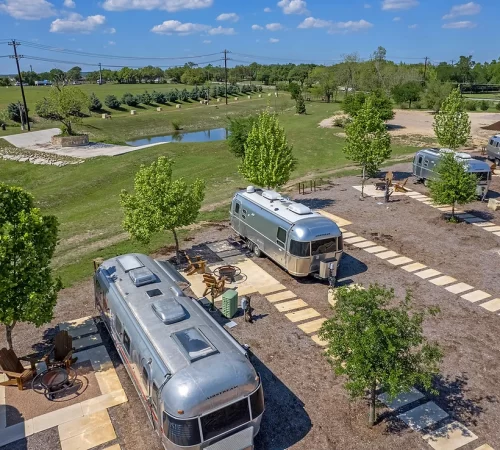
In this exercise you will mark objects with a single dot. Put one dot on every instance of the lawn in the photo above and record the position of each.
(494, 95)
(85, 197)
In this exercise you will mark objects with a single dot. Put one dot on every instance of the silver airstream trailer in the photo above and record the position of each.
(301, 241)
(196, 382)
(493, 149)
(426, 160)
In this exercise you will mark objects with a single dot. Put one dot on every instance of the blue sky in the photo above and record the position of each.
(308, 30)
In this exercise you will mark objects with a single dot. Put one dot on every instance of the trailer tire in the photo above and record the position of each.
(426, 182)
(257, 251)
(497, 162)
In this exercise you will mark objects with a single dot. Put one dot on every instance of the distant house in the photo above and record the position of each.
(43, 83)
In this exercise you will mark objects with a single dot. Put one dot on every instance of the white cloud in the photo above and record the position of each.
(176, 27)
(76, 23)
(206, 41)
(111, 43)
(467, 9)
(388, 5)
(28, 10)
(311, 22)
(274, 40)
(220, 30)
(110, 31)
(351, 26)
(168, 5)
(396, 19)
(267, 10)
(293, 6)
(462, 24)
(274, 26)
(413, 27)
(257, 27)
(231, 17)
(69, 4)
(367, 6)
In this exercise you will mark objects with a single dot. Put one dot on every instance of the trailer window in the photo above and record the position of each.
(483, 176)
(225, 419)
(126, 342)
(281, 237)
(236, 208)
(491, 142)
(324, 246)
(181, 432)
(257, 402)
(118, 325)
(300, 249)
(420, 160)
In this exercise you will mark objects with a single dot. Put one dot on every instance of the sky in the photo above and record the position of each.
(266, 31)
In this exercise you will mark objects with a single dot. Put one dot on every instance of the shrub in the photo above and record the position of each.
(112, 102)
(176, 125)
(95, 104)
(172, 96)
(158, 97)
(145, 98)
(300, 106)
(484, 105)
(497, 106)
(417, 105)
(184, 95)
(471, 105)
(195, 94)
(260, 88)
(129, 99)
(13, 111)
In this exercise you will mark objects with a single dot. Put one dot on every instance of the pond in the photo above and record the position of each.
(216, 134)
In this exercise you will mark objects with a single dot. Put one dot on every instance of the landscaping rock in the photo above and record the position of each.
(178, 106)
(133, 112)
(159, 109)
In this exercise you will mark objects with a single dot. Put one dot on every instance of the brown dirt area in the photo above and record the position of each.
(307, 406)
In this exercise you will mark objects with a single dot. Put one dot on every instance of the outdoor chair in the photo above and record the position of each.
(16, 373)
(400, 187)
(213, 285)
(61, 353)
(199, 265)
(493, 168)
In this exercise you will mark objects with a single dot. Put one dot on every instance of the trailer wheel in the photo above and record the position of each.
(497, 162)
(426, 182)
(257, 251)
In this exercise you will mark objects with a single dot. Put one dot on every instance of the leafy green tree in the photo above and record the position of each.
(28, 292)
(454, 185)
(66, 104)
(407, 92)
(239, 129)
(268, 159)
(497, 106)
(436, 94)
(74, 74)
(4, 81)
(158, 97)
(184, 95)
(112, 102)
(324, 82)
(373, 343)
(95, 103)
(56, 76)
(381, 102)
(14, 112)
(145, 98)
(484, 105)
(294, 90)
(451, 123)
(129, 99)
(160, 203)
(368, 141)
(300, 105)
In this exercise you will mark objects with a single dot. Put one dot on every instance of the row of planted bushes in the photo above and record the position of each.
(162, 98)
(483, 105)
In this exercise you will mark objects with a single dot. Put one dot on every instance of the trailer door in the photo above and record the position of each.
(147, 381)
(235, 216)
(418, 165)
(281, 242)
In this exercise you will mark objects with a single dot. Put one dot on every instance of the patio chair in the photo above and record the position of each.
(199, 265)
(213, 285)
(400, 187)
(61, 353)
(16, 373)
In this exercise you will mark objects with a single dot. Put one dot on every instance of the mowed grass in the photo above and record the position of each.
(85, 197)
(494, 95)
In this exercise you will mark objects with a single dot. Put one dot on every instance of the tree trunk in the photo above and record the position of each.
(336, 91)
(8, 333)
(363, 183)
(328, 97)
(371, 419)
(177, 253)
(453, 210)
(409, 104)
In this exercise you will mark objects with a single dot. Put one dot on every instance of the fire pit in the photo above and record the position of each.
(229, 273)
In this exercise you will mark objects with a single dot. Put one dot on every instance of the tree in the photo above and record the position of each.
(112, 102)
(14, 112)
(294, 90)
(300, 105)
(239, 129)
(74, 74)
(28, 293)
(375, 344)
(451, 123)
(436, 93)
(56, 76)
(454, 185)
(381, 102)
(324, 82)
(160, 203)
(66, 104)
(95, 103)
(268, 159)
(130, 99)
(407, 92)
(368, 141)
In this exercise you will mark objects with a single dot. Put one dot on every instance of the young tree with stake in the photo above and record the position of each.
(160, 203)
(368, 141)
(376, 345)
(28, 292)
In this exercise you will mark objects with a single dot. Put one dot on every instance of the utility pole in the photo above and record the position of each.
(16, 57)
(425, 68)
(100, 74)
(225, 71)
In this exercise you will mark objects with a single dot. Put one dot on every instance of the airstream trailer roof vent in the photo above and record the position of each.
(194, 343)
(169, 310)
(271, 195)
(250, 189)
(129, 262)
(299, 208)
(142, 276)
(463, 155)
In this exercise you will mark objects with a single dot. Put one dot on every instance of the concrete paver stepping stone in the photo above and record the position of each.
(428, 273)
(78, 426)
(108, 381)
(364, 244)
(497, 233)
(400, 261)
(82, 330)
(492, 305)
(349, 234)
(484, 447)
(484, 224)
(414, 267)
(84, 321)
(303, 314)
(423, 416)
(91, 438)
(495, 228)
(441, 281)
(422, 199)
(313, 326)
(271, 288)
(386, 255)
(293, 304)
(459, 288)
(445, 208)
(376, 249)
(354, 240)
(57, 417)
(85, 342)
(102, 402)
(280, 296)
(113, 447)
(475, 296)
(450, 437)
(338, 220)
(243, 290)
(402, 399)
(319, 341)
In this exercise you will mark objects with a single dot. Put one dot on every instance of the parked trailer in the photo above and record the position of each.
(301, 241)
(195, 381)
(426, 160)
(493, 149)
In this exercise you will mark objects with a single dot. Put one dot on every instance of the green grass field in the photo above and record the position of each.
(85, 197)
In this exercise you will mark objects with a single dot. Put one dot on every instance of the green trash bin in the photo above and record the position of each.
(229, 303)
